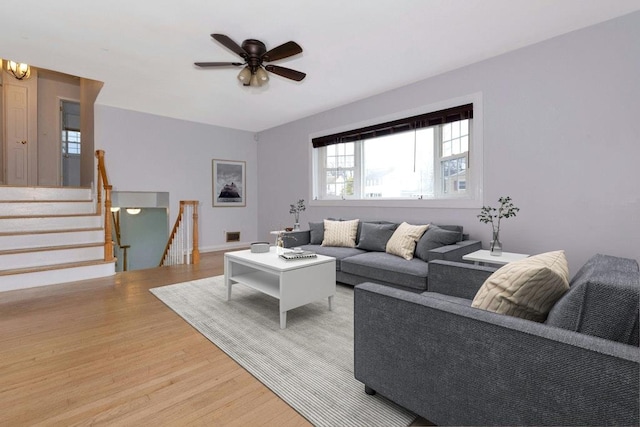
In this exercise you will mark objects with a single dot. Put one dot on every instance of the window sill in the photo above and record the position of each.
(456, 203)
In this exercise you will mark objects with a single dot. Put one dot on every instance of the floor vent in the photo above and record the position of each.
(233, 236)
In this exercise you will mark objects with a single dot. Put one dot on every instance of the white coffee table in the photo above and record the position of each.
(484, 256)
(293, 282)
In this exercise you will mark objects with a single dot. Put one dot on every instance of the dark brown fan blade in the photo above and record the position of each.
(283, 51)
(286, 72)
(230, 44)
(218, 64)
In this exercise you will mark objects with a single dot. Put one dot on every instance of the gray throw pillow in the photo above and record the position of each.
(433, 238)
(374, 237)
(316, 233)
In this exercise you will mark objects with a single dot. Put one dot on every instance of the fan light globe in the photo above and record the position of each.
(262, 75)
(245, 76)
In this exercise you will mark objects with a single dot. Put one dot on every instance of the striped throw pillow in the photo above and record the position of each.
(340, 233)
(527, 288)
(403, 241)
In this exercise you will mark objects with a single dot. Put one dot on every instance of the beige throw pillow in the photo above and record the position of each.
(403, 240)
(340, 233)
(527, 288)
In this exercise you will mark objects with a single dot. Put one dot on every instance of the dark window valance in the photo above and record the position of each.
(448, 115)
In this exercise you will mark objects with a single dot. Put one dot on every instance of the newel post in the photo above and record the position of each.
(195, 254)
(100, 157)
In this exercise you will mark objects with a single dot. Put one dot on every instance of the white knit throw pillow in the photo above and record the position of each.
(340, 233)
(527, 288)
(403, 241)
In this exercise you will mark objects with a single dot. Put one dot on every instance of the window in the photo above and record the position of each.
(423, 157)
(339, 166)
(70, 125)
(70, 142)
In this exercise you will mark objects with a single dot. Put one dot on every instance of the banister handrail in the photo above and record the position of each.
(103, 184)
(115, 216)
(173, 255)
(172, 235)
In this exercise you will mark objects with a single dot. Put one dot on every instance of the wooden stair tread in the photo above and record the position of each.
(66, 230)
(50, 248)
(54, 267)
(57, 187)
(49, 216)
(49, 201)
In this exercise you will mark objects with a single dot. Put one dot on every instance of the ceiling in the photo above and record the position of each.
(144, 51)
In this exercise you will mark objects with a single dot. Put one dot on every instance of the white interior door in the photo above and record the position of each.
(17, 134)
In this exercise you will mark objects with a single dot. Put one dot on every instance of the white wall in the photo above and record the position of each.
(144, 152)
(561, 137)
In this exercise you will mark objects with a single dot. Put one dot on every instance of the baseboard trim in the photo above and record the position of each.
(228, 246)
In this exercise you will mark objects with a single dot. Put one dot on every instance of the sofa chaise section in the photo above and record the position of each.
(457, 365)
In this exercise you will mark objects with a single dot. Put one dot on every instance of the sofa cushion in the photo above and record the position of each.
(404, 238)
(381, 266)
(603, 300)
(527, 288)
(339, 253)
(340, 233)
(435, 237)
(316, 233)
(374, 237)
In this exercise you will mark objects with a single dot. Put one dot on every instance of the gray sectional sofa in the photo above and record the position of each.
(457, 365)
(368, 261)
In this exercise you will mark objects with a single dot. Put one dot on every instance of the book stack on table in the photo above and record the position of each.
(298, 255)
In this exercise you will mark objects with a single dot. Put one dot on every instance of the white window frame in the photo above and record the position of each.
(474, 157)
(357, 169)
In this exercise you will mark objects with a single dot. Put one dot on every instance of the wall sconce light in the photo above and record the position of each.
(133, 211)
(19, 70)
(115, 209)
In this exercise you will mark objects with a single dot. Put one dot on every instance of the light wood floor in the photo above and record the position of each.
(108, 352)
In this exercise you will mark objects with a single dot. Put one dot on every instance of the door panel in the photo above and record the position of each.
(17, 142)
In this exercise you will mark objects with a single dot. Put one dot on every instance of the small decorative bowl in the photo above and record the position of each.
(260, 247)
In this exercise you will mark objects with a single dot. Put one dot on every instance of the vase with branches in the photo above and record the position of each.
(295, 209)
(493, 216)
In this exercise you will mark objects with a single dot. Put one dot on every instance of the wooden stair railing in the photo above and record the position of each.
(182, 245)
(116, 225)
(103, 184)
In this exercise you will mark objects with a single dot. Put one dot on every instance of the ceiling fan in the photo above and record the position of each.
(254, 53)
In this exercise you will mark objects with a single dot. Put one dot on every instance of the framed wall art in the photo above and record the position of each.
(229, 183)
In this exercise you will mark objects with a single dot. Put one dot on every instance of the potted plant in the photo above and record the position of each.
(493, 216)
(295, 210)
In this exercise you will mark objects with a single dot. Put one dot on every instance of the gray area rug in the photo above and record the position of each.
(309, 364)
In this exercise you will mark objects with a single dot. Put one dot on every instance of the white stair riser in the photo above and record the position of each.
(8, 225)
(46, 208)
(23, 241)
(53, 277)
(50, 257)
(45, 193)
